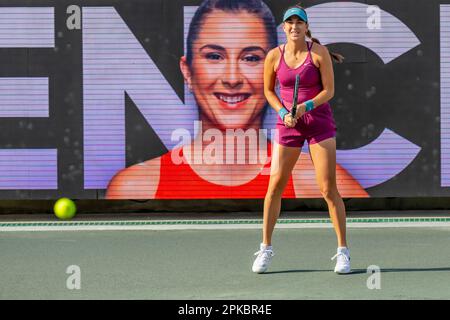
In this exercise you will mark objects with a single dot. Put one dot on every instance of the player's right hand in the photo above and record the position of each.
(289, 120)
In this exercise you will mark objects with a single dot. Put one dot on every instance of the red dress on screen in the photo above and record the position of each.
(180, 181)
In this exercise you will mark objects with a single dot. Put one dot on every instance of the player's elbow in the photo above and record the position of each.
(269, 93)
(330, 93)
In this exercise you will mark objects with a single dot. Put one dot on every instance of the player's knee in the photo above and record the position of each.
(277, 185)
(274, 193)
(329, 192)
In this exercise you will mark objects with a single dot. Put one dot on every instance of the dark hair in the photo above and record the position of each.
(256, 7)
(336, 56)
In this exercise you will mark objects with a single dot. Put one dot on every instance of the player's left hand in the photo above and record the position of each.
(301, 110)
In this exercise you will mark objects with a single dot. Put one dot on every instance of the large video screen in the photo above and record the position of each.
(164, 99)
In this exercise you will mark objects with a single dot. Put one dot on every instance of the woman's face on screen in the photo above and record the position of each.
(226, 75)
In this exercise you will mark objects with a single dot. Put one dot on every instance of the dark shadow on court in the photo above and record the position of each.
(360, 271)
(307, 271)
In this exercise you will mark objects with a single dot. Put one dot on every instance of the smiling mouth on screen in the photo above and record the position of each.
(232, 101)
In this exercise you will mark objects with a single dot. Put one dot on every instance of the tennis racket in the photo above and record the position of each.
(294, 103)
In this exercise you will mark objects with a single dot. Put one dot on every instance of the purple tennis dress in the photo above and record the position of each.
(315, 125)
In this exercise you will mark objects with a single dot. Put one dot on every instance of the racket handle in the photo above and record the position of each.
(294, 110)
(294, 102)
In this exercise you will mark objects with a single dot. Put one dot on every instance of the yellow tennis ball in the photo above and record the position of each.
(65, 209)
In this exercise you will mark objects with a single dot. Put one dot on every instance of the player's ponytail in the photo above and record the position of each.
(336, 56)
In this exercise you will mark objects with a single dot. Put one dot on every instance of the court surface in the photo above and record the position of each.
(143, 259)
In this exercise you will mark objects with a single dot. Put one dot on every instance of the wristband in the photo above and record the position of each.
(309, 105)
(283, 111)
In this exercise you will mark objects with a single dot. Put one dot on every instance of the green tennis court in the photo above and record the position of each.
(211, 259)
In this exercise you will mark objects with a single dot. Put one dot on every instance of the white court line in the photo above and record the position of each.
(218, 226)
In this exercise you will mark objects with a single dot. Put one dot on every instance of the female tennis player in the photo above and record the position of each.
(312, 122)
(227, 43)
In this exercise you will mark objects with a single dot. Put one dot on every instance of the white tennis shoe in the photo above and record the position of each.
(263, 259)
(343, 261)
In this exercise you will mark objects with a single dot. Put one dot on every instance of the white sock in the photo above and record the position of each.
(265, 247)
(343, 249)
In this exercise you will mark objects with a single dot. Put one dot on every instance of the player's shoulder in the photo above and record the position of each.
(273, 54)
(319, 49)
